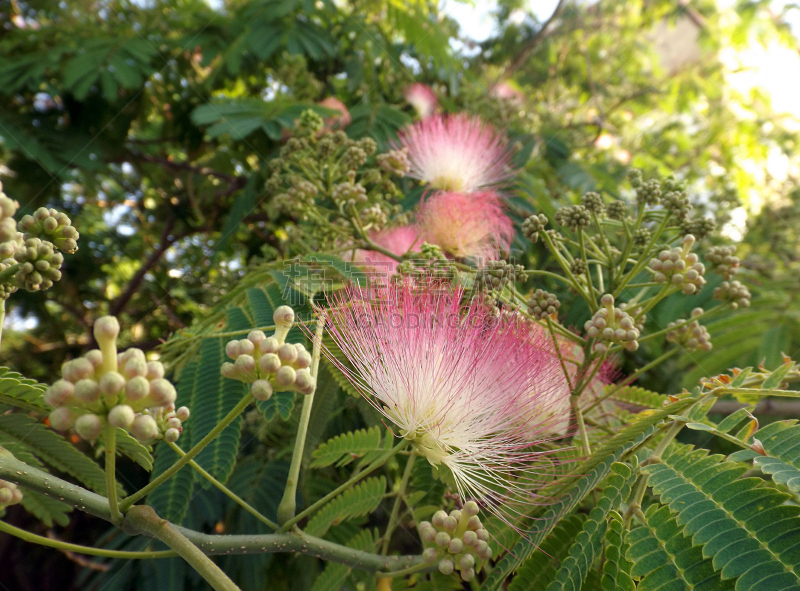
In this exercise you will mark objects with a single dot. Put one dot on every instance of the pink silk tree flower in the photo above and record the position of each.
(397, 240)
(466, 225)
(335, 121)
(455, 380)
(422, 98)
(456, 153)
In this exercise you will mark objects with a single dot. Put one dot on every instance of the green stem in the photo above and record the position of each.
(644, 260)
(423, 566)
(144, 519)
(288, 505)
(213, 434)
(353, 480)
(78, 549)
(111, 479)
(584, 437)
(638, 497)
(18, 472)
(565, 267)
(224, 489)
(8, 273)
(387, 537)
(2, 318)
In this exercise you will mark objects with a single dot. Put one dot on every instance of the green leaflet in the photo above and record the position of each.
(171, 499)
(130, 447)
(664, 557)
(347, 447)
(540, 568)
(19, 432)
(617, 568)
(213, 398)
(359, 500)
(335, 574)
(636, 396)
(593, 470)
(46, 509)
(783, 456)
(588, 544)
(742, 523)
(17, 390)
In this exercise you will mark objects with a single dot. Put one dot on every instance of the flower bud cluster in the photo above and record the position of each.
(574, 218)
(124, 390)
(8, 226)
(270, 364)
(497, 274)
(691, 336)
(578, 268)
(53, 226)
(680, 267)
(533, 225)
(733, 292)
(635, 312)
(617, 210)
(9, 494)
(641, 237)
(677, 203)
(457, 541)
(309, 122)
(698, 227)
(649, 192)
(725, 261)
(593, 203)
(395, 162)
(350, 193)
(612, 325)
(39, 264)
(542, 304)
(6, 289)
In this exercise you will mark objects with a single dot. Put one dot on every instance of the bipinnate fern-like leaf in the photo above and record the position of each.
(636, 396)
(664, 558)
(588, 544)
(357, 501)
(347, 447)
(616, 568)
(743, 524)
(17, 390)
(21, 433)
(47, 509)
(540, 569)
(782, 461)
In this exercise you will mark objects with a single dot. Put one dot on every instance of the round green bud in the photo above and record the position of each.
(429, 555)
(285, 376)
(62, 418)
(137, 388)
(261, 390)
(89, 426)
(58, 393)
(467, 562)
(144, 428)
(86, 392)
(106, 329)
(287, 353)
(171, 435)
(470, 538)
(468, 574)
(455, 546)
(471, 508)
(112, 383)
(438, 518)
(269, 363)
(442, 539)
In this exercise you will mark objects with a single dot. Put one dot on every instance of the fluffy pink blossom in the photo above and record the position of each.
(397, 240)
(456, 153)
(455, 381)
(422, 98)
(506, 92)
(336, 122)
(466, 225)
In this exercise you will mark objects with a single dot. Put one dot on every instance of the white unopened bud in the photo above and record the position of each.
(438, 518)
(304, 380)
(144, 428)
(467, 574)
(106, 329)
(467, 561)
(77, 369)
(245, 365)
(446, 566)
(88, 426)
(287, 353)
(182, 413)
(303, 360)
(256, 337)
(95, 357)
(134, 368)
(269, 363)
(162, 392)
(442, 539)
(58, 393)
(270, 345)
(171, 435)
(471, 508)
(284, 319)
(112, 383)
(429, 555)
(228, 371)
(62, 418)
(455, 546)
(285, 376)
(137, 388)
(245, 347)
(174, 423)
(261, 390)
(121, 416)
(86, 392)
(155, 370)
(470, 538)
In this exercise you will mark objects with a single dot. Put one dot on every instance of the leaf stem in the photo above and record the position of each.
(127, 502)
(387, 537)
(110, 442)
(353, 480)
(288, 505)
(78, 549)
(224, 489)
(142, 518)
